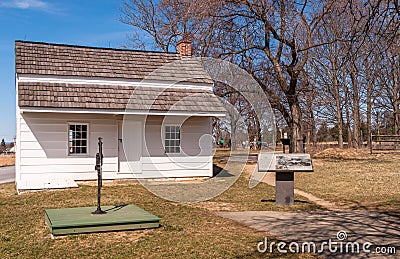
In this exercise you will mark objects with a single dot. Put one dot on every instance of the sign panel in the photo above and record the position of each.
(285, 162)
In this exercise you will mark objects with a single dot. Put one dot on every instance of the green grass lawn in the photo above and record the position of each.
(371, 183)
(188, 230)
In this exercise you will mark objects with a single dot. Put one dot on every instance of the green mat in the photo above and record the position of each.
(81, 220)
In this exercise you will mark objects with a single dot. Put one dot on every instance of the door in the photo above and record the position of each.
(130, 147)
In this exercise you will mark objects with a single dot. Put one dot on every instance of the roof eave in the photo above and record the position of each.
(121, 112)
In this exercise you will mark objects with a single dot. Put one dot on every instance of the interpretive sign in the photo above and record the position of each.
(293, 162)
(285, 162)
(285, 165)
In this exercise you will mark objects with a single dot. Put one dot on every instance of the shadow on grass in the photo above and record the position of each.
(390, 208)
(117, 207)
(320, 226)
(220, 172)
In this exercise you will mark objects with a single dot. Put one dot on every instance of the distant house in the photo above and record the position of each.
(12, 150)
(9, 151)
(68, 96)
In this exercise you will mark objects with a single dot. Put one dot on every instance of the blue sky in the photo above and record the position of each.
(84, 22)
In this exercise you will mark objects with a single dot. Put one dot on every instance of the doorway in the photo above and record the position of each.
(129, 147)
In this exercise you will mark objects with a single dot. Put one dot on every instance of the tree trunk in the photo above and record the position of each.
(338, 107)
(347, 109)
(296, 137)
(312, 137)
(309, 125)
(369, 112)
(356, 110)
(396, 82)
(234, 134)
(396, 111)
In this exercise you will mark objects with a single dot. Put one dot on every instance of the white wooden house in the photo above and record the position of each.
(68, 96)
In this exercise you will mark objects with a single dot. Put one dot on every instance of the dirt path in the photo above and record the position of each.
(270, 180)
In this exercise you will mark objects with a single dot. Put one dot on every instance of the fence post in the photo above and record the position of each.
(370, 147)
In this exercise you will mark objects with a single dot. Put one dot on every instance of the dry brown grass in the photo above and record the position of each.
(7, 160)
(340, 153)
(191, 230)
(349, 177)
(364, 182)
(188, 230)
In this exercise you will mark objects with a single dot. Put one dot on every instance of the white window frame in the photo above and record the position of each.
(165, 139)
(87, 139)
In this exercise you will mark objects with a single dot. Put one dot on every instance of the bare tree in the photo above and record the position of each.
(315, 60)
(328, 65)
(347, 71)
(273, 37)
(389, 79)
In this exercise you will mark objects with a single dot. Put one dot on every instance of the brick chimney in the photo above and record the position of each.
(184, 47)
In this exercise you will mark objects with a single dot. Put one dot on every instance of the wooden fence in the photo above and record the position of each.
(385, 143)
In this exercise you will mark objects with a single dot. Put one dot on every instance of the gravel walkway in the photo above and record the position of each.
(346, 227)
(7, 174)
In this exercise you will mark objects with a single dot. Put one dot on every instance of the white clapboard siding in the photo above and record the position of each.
(43, 153)
(175, 166)
(179, 159)
(31, 153)
(177, 169)
(90, 175)
(58, 153)
(34, 145)
(48, 136)
(63, 168)
(43, 127)
(167, 174)
(43, 143)
(156, 163)
(70, 160)
(190, 134)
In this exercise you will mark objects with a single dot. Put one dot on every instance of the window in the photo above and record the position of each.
(172, 139)
(77, 139)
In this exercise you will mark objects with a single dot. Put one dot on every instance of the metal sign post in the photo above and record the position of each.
(284, 165)
(98, 167)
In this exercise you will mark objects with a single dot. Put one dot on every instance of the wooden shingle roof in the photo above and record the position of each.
(67, 60)
(115, 97)
(85, 62)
